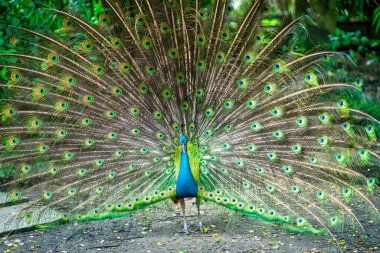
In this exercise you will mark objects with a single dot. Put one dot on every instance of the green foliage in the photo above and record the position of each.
(355, 9)
(343, 38)
(33, 14)
(22, 13)
(376, 19)
(355, 42)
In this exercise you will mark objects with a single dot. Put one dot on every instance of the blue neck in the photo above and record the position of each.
(186, 185)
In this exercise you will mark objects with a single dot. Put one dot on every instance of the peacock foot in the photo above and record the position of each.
(201, 227)
(185, 229)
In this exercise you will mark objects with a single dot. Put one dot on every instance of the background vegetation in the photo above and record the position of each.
(352, 26)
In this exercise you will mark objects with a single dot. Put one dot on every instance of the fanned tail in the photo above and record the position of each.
(92, 116)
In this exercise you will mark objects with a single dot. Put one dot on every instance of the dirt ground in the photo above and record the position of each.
(157, 230)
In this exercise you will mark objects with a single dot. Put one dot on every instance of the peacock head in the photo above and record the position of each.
(183, 139)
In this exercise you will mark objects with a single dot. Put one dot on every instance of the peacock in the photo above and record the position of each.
(177, 99)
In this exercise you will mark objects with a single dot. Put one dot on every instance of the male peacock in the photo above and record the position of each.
(185, 98)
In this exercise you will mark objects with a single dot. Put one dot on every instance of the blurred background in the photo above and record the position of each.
(351, 26)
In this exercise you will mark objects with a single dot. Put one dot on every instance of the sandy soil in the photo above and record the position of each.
(157, 230)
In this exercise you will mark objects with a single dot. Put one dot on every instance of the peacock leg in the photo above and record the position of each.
(185, 230)
(198, 203)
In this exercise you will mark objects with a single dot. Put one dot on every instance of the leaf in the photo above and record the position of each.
(376, 19)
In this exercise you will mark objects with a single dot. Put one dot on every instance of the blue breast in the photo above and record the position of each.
(186, 185)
